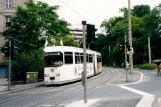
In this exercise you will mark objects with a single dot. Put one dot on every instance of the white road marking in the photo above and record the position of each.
(146, 101)
(136, 91)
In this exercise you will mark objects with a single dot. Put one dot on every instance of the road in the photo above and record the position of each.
(98, 88)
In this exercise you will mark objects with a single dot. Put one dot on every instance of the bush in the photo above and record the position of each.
(146, 66)
(28, 62)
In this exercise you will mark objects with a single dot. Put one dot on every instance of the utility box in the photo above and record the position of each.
(31, 77)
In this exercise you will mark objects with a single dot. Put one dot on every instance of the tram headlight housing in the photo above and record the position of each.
(57, 74)
(46, 75)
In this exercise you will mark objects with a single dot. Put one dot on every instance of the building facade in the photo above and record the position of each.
(7, 9)
(76, 33)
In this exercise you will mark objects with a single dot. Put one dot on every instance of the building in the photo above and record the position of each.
(7, 9)
(76, 33)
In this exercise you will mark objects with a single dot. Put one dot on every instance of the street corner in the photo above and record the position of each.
(80, 103)
(129, 79)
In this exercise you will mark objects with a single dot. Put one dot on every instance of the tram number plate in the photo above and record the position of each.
(52, 78)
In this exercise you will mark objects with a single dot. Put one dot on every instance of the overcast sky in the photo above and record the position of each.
(93, 11)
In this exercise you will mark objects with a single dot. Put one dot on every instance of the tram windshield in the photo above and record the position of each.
(53, 59)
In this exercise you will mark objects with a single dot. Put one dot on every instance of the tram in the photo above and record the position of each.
(64, 64)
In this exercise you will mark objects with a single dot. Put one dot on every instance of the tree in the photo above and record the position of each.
(33, 23)
(145, 22)
(141, 10)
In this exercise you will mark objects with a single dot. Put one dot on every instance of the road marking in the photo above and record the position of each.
(136, 91)
(146, 101)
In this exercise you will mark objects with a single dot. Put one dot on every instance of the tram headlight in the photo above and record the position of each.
(46, 75)
(57, 74)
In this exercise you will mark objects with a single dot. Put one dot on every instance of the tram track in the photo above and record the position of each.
(41, 89)
(93, 82)
(57, 102)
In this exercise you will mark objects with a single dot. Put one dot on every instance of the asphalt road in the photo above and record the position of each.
(151, 83)
(59, 96)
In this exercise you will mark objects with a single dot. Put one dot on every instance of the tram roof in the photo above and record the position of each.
(66, 49)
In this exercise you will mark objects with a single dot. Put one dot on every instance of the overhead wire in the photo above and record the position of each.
(75, 11)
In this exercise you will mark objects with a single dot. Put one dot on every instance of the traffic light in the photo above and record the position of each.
(6, 50)
(90, 33)
(14, 50)
(121, 48)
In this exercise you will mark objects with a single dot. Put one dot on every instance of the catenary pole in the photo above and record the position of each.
(130, 37)
(84, 64)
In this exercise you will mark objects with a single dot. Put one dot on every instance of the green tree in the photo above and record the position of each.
(33, 23)
(144, 23)
(141, 10)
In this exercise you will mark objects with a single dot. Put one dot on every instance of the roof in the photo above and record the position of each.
(67, 49)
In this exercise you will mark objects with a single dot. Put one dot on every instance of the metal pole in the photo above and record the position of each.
(149, 50)
(130, 37)
(9, 67)
(84, 58)
(126, 59)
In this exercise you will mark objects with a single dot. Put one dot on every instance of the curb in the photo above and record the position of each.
(147, 101)
(5, 92)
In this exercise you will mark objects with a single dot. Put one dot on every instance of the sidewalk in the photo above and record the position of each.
(132, 78)
(16, 88)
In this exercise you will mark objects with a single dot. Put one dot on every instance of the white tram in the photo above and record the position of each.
(64, 64)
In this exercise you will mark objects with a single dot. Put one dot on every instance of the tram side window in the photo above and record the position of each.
(99, 59)
(77, 58)
(90, 58)
(87, 58)
(68, 57)
(81, 56)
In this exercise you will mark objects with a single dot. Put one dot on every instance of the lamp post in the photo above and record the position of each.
(130, 37)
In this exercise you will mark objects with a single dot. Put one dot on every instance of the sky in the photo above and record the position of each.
(93, 11)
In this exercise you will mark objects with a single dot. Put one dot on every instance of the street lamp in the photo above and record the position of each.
(130, 37)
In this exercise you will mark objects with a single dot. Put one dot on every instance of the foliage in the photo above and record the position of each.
(67, 41)
(145, 23)
(33, 23)
(31, 62)
(146, 66)
(141, 10)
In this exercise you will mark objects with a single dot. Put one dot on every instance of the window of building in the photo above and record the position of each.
(8, 21)
(8, 3)
(68, 57)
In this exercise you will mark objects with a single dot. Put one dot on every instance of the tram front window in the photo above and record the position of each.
(53, 59)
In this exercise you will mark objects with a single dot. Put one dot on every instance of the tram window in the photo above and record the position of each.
(99, 59)
(77, 58)
(81, 59)
(90, 58)
(68, 57)
(53, 59)
(87, 58)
